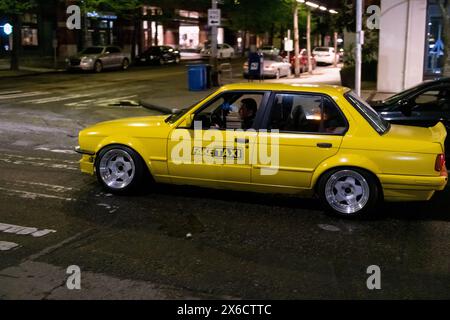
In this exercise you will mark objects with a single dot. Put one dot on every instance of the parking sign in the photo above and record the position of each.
(214, 17)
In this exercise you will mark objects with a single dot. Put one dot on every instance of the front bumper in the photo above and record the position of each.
(86, 66)
(87, 161)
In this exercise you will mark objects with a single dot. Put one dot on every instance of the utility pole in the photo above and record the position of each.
(335, 49)
(308, 40)
(296, 41)
(359, 43)
(213, 58)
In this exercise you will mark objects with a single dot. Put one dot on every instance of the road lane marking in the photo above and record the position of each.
(34, 195)
(23, 95)
(52, 187)
(20, 230)
(58, 99)
(4, 93)
(6, 246)
(63, 151)
(40, 162)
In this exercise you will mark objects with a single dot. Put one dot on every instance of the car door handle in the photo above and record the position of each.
(325, 145)
(238, 140)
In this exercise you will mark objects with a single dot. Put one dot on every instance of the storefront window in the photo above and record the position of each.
(30, 33)
(30, 36)
(434, 45)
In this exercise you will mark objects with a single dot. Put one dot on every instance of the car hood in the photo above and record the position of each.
(81, 55)
(138, 122)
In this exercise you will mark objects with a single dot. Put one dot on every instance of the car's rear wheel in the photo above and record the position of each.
(120, 169)
(125, 64)
(349, 192)
(98, 66)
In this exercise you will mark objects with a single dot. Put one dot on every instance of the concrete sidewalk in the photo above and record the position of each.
(177, 95)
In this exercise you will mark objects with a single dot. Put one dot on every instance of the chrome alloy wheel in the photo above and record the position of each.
(117, 169)
(347, 191)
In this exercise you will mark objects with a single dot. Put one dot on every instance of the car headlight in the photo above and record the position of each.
(67, 60)
(87, 60)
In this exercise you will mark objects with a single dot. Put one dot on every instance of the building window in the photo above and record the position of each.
(434, 44)
(30, 33)
(30, 37)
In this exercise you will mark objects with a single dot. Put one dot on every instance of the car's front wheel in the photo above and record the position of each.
(125, 64)
(349, 192)
(98, 66)
(120, 169)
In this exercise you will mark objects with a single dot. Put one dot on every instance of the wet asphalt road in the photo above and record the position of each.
(197, 242)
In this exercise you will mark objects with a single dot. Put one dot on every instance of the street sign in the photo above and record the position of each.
(289, 45)
(214, 17)
(7, 29)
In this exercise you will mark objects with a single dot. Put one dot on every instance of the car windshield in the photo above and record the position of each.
(376, 121)
(180, 113)
(153, 50)
(93, 50)
(400, 96)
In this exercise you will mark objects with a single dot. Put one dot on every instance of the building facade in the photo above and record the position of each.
(411, 43)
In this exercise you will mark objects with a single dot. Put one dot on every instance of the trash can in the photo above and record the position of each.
(197, 77)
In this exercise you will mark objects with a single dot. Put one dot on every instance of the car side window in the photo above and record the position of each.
(304, 113)
(433, 100)
(231, 110)
(112, 50)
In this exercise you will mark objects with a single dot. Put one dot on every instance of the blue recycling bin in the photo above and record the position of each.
(197, 77)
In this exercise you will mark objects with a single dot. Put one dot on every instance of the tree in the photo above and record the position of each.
(443, 5)
(13, 10)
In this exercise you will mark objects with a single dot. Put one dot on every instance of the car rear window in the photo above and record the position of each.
(322, 49)
(375, 120)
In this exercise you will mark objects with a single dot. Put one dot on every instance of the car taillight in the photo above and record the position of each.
(440, 163)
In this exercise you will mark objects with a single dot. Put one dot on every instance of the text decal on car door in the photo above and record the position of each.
(218, 152)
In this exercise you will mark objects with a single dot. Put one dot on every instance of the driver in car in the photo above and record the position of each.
(247, 113)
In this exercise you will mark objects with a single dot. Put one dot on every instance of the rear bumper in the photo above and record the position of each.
(411, 188)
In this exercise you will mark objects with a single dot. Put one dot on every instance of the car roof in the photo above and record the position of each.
(327, 89)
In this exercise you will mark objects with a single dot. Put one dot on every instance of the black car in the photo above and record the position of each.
(159, 55)
(423, 105)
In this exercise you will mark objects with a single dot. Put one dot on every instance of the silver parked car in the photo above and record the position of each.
(274, 67)
(99, 58)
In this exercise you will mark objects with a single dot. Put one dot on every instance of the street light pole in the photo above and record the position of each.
(213, 58)
(359, 43)
(296, 41)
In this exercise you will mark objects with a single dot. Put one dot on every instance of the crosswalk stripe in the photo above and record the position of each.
(22, 95)
(57, 99)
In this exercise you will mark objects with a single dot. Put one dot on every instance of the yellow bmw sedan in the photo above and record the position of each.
(273, 138)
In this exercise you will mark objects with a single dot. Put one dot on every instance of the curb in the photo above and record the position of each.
(32, 74)
(151, 106)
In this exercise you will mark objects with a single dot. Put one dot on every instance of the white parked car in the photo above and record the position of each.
(224, 51)
(274, 67)
(325, 55)
(270, 50)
